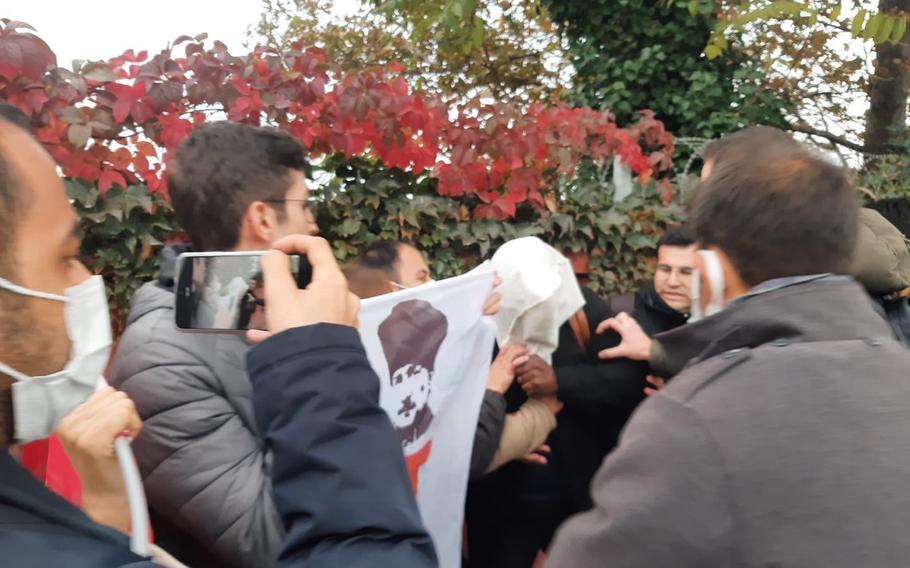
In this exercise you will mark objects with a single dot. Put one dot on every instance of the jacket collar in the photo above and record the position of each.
(167, 263)
(18, 489)
(816, 309)
(648, 294)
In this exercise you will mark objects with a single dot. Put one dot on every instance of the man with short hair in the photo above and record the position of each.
(319, 410)
(759, 138)
(664, 302)
(783, 437)
(234, 187)
(401, 261)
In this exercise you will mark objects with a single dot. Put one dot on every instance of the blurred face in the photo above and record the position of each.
(412, 268)
(34, 339)
(673, 279)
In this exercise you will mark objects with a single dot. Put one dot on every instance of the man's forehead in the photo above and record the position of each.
(36, 176)
(677, 254)
(299, 187)
(25, 155)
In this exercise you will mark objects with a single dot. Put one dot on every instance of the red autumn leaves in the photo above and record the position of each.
(111, 123)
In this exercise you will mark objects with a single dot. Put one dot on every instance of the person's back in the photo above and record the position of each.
(812, 430)
(783, 438)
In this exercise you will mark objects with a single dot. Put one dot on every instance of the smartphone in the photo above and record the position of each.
(222, 292)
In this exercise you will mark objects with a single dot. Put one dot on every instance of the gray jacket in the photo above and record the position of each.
(203, 463)
(785, 442)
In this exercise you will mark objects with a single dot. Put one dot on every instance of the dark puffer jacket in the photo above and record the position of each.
(204, 465)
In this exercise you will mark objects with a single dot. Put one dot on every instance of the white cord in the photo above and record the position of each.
(135, 495)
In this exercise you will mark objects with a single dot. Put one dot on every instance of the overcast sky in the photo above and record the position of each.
(100, 29)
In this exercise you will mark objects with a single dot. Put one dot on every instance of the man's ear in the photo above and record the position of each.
(259, 223)
(734, 285)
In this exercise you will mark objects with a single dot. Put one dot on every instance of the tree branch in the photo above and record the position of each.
(839, 140)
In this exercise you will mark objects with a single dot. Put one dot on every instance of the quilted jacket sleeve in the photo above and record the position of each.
(204, 468)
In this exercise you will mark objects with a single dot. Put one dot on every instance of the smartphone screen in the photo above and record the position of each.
(223, 292)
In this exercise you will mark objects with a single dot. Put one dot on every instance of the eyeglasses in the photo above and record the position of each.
(307, 203)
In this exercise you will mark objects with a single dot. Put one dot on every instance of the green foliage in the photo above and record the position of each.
(121, 234)
(456, 49)
(364, 203)
(869, 25)
(889, 175)
(631, 54)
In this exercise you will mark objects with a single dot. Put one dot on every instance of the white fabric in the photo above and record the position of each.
(715, 275)
(622, 179)
(458, 380)
(539, 294)
(39, 403)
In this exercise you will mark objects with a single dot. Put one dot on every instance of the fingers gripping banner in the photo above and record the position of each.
(431, 348)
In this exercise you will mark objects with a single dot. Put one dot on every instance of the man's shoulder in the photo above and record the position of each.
(151, 337)
(777, 368)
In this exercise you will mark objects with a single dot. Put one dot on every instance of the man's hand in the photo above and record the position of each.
(491, 306)
(502, 371)
(326, 299)
(553, 404)
(656, 384)
(87, 434)
(635, 344)
(536, 377)
(538, 456)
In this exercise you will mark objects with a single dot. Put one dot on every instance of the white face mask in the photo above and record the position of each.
(39, 403)
(398, 286)
(715, 274)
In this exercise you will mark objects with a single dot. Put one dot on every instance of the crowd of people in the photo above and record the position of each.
(745, 407)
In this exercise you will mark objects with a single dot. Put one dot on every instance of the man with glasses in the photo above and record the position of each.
(234, 187)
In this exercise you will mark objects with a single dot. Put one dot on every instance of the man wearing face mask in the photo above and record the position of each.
(55, 339)
(783, 437)
(205, 469)
(402, 262)
(314, 383)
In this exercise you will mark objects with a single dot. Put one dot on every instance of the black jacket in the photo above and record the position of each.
(653, 314)
(490, 424)
(599, 395)
(519, 491)
(338, 473)
(38, 529)
(599, 398)
(339, 478)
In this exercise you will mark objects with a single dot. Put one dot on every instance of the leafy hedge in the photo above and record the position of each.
(391, 162)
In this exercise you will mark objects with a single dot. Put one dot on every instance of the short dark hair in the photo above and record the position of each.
(365, 282)
(716, 149)
(13, 311)
(677, 236)
(896, 210)
(383, 255)
(15, 115)
(778, 211)
(11, 198)
(223, 167)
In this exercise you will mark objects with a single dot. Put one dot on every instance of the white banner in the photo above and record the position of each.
(431, 348)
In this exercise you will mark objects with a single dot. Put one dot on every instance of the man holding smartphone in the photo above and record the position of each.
(316, 399)
(206, 470)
